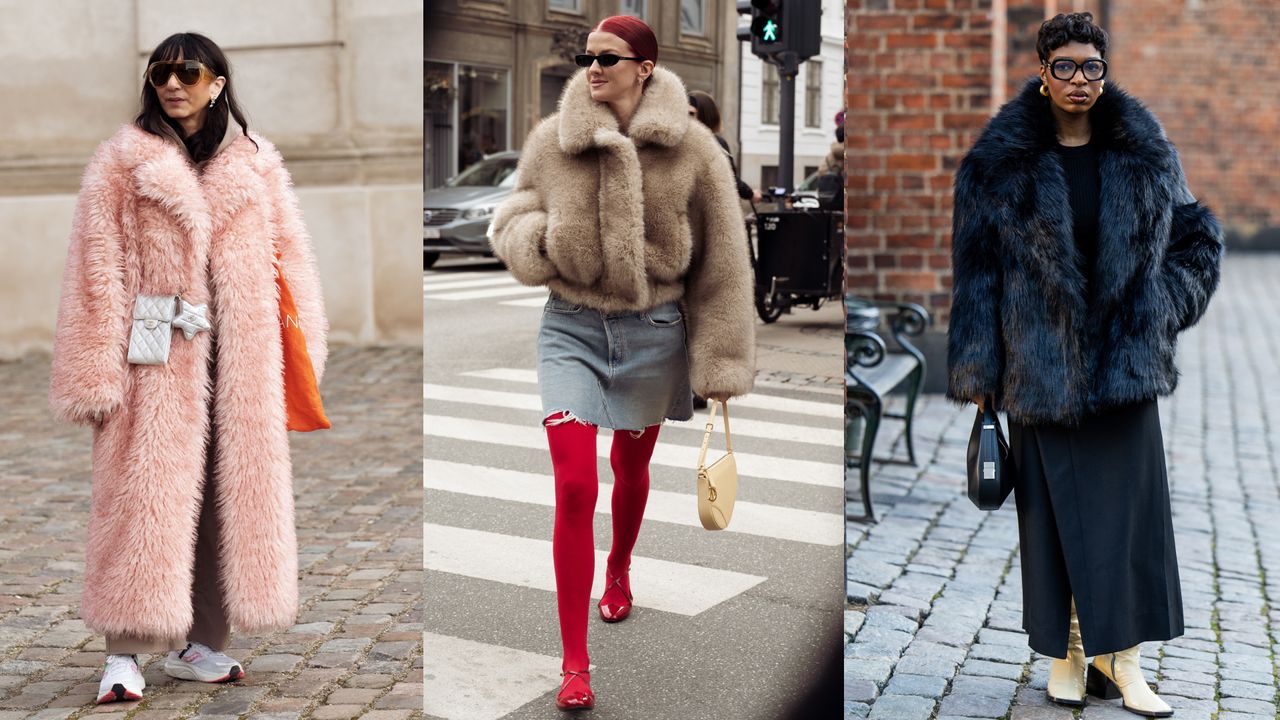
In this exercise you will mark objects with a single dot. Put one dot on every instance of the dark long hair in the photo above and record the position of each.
(202, 143)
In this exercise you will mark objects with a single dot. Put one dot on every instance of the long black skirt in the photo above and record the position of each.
(1094, 522)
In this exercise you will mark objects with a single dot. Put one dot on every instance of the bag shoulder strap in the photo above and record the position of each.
(706, 436)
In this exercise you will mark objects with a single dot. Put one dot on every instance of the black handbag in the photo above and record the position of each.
(990, 470)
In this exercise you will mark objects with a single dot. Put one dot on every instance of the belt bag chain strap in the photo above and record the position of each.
(718, 482)
(154, 318)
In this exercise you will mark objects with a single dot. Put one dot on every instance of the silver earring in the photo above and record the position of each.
(212, 100)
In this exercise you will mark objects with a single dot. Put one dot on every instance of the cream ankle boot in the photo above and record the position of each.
(1118, 674)
(1066, 677)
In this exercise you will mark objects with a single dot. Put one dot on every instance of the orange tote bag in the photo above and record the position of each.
(303, 408)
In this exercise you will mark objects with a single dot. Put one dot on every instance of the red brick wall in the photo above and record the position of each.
(918, 83)
(1212, 76)
(919, 90)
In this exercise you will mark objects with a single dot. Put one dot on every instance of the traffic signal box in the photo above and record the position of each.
(782, 26)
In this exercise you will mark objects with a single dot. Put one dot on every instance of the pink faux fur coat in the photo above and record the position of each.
(147, 223)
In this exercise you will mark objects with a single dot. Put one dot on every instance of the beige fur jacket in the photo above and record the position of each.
(621, 222)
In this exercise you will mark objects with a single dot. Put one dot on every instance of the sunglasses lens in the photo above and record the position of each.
(608, 60)
(584, 60)
(188, 73)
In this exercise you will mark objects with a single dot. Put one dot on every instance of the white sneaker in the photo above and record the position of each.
(202, 663)
(121, 679)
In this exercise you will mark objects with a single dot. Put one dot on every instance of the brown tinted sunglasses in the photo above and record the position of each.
(189, 72)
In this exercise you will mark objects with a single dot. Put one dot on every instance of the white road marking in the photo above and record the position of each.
(749, 518)
(829, 409)
(746, 427)
(808, 472)
(657, 584)
(468, 680)
(486, 293)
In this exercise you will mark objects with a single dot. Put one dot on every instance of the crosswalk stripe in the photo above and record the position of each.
(452, 284)
(747, 427)
(486, 293)
(749, 518)
(808, 472)
(534, 302)
(468, 680)
(762, 401)
(666, 586)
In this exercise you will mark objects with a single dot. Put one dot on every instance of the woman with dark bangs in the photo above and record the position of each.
(182, 224)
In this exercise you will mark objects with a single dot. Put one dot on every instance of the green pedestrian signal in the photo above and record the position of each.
(771, 31)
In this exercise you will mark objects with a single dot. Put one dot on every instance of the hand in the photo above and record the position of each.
(719, 397)
(756, 196)
(980, 402)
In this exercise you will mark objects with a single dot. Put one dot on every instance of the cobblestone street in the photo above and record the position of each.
(934, 617)
(356, 650)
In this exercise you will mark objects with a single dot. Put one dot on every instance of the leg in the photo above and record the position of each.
(915, 383)
(210, 625)
(573, 459)
(629, 458)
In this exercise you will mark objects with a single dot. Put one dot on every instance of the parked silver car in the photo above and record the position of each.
(455, 217)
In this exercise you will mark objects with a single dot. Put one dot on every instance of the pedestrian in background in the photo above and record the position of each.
(1079, 254)
(703, 107)
(627, 211)
(191, 530)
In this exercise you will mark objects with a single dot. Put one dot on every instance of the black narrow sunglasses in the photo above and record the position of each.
(606, 60)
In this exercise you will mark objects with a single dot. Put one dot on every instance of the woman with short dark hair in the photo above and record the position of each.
(1079, 254)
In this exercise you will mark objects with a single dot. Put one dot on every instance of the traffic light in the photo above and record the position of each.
(782, 26)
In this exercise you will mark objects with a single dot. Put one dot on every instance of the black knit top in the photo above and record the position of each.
(1080, 164)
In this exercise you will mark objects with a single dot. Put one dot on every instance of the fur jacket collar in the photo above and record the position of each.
(625, 221)
(661, 118)
(1026, 325)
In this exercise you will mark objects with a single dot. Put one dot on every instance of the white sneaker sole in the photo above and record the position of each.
(187, 671)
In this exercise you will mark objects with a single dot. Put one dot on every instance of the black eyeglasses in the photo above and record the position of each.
(1065, 68)
(606, 60)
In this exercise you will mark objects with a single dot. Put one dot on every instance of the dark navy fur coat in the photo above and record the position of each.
(1025, 327)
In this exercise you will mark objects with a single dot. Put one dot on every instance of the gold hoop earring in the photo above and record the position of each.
(1102, 87)
(1044, 89)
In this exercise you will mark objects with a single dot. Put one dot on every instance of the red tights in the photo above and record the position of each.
(573, 457)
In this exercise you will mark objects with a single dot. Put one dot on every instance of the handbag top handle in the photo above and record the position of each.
(706, 436)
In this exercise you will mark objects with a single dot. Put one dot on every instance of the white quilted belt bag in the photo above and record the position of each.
(154, 317)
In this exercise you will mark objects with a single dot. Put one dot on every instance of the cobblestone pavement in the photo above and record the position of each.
(356, 650)
(933, 622)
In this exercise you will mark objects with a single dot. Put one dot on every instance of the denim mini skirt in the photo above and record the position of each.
(625, 370)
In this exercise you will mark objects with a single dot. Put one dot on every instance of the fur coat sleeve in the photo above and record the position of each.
(1193, 258)
(975, 353)
(519, 229)
(89, 354)
(719, 289)
(299, 268)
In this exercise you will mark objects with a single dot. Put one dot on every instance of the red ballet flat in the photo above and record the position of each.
(575, 695)
(616, 606)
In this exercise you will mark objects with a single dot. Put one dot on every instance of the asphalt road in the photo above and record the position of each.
(733, 624)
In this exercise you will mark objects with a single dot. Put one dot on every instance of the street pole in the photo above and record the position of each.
(788, 67)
